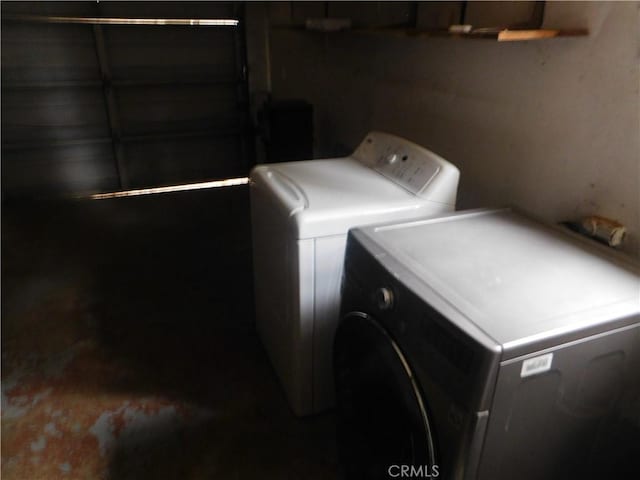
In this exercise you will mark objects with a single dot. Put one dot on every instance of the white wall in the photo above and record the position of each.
(550, 126)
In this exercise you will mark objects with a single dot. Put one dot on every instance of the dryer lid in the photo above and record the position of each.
(515, 279)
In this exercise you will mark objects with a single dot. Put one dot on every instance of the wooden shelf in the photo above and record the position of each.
(504, 35)
(500, 35)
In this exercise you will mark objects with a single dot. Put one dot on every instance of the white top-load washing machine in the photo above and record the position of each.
(301, 212)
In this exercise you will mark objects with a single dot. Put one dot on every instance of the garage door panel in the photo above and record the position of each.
(63, 170)
(164, 108)
(49, 8)
(174, 52)
(59, 114)
(181, 161)
(168, 9)
(88, 107)
(47, 53)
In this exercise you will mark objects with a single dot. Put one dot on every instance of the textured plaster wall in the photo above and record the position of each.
(550, 126)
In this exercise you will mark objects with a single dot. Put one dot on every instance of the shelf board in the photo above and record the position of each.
(539, 34)
(495, 34)
(500, 35)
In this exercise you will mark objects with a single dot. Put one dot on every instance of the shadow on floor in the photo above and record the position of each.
(136, 316)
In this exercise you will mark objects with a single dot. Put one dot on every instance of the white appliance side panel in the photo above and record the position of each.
(301, 389)
(567, 412)
(280, 261)
(273, 267)
(328, 272)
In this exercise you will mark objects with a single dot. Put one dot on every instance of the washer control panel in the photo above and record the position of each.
(407, 167)
(405, 163)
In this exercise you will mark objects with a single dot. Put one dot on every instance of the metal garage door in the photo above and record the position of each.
(92, 107)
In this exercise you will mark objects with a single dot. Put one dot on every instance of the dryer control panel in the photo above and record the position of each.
(405, 163)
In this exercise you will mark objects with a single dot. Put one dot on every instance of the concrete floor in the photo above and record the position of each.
(129, 349)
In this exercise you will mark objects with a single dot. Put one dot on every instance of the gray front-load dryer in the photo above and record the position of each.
(487, 345)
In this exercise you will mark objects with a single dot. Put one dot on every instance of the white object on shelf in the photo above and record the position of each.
(460, 28)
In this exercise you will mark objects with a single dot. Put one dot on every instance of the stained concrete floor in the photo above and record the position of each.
(129, 349)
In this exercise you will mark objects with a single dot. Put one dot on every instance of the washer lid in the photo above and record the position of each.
(327, 197)
(517, 280)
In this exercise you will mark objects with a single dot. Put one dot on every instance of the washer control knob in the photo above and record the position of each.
(392, 158)
(384, 298)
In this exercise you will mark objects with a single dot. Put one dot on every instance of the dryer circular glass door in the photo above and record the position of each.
(382, 417)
